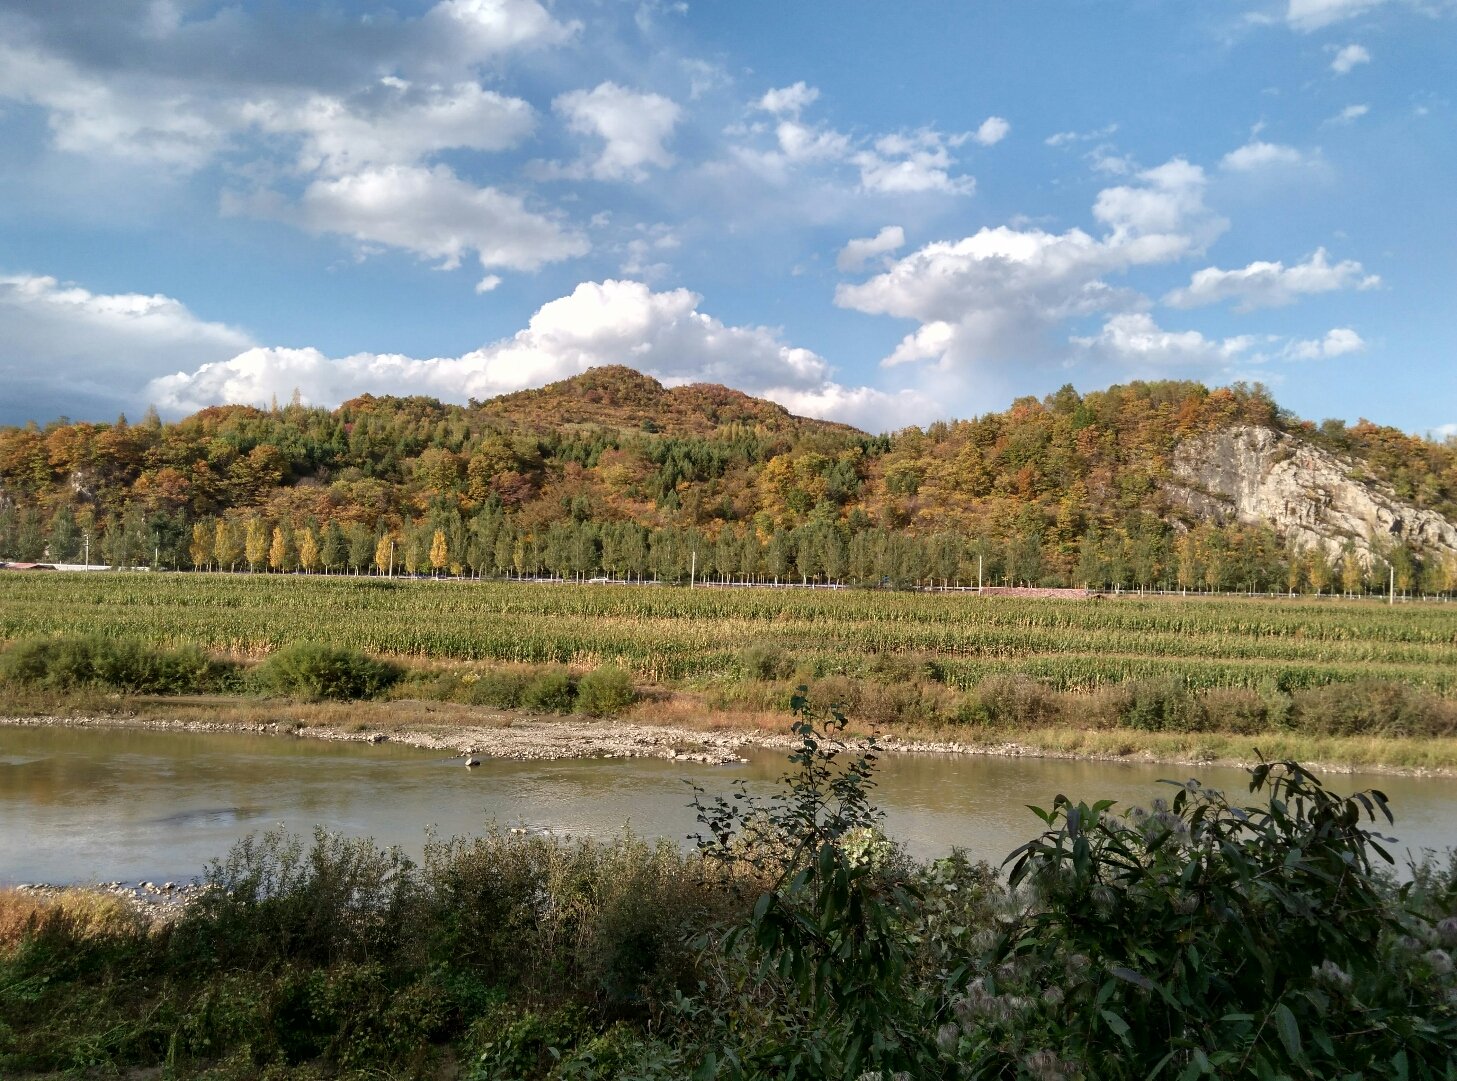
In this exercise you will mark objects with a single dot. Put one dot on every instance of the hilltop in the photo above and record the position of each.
(618, 398)
(1157, 483)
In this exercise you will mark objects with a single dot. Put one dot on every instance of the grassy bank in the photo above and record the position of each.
(1362, 723)
(1343, 683)
(1192, 938)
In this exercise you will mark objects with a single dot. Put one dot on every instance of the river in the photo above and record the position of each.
(82, 805)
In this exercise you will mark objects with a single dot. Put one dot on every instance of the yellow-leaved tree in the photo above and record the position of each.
(308, 551)
(384, 554)
(1353, 573)
(255, 546)
(280, 552)
(439, 551)
(227, 546)
(201, 549)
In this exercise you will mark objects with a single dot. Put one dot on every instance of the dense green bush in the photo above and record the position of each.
(552, 690)
(605, 691)
(273, 899)
(119, 664)
(1011, 700)
(764, 661)
(312, 670)
(1201, 938)
(1164, 704)
(1372, 708)
(502, 688)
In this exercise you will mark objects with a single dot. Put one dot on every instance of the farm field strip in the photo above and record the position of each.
(675, 634)
(459, 634)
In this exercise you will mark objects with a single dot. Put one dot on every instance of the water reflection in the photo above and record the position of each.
(81, 805)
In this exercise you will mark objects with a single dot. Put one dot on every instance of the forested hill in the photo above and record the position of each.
(611, 473)
(618, 398)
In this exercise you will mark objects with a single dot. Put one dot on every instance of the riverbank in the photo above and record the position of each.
(681, 727)
(541, 958)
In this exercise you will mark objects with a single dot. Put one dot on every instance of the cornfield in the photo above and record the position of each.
(676, 635)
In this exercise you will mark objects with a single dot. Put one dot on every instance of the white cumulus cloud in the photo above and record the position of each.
(894, 163)
(473, 31)
(907, 163)
(855, 254)
(1257, 154)
(146, 94)
(1134, 338)
(788, 100)
(632, 125)
(609, 322)
(992, 131)
(64, 348)
(1349, 114)
(394, 122)
(1337, 342)
(1067, 138)
(1266, 284)
(1348, 57)
(125, 116)
(993, 296)
(1314, 14)
(431, 212)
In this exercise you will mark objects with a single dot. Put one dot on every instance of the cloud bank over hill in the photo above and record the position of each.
(661, 333)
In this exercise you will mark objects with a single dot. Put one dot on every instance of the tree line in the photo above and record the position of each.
(1065, 490)
(495, 543)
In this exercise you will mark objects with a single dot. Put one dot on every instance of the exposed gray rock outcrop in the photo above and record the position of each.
(1307, 494)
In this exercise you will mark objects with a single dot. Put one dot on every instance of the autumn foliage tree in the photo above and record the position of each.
(611, 473)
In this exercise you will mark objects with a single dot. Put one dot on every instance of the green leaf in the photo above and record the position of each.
(1117, 1024)
(1289, 1030)
(1159, 1066)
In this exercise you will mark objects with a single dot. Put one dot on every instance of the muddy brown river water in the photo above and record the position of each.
(82, 805)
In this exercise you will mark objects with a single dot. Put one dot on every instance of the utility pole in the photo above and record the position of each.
(87, 534)
(693, 570)
(1391, 595)
(978, 573)
(392, 557)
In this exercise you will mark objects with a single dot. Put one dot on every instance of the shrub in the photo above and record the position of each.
(1163, 704)
(319, 671)
(498, 687)
(906, 703)
(1372, 708)
(1011, 700)
(550, 691)
(605, 691)
(429, 685)
(272, 899)
(120, 664)
(1199, 938)
(1236, 709)
(763, 661)
(828, 944)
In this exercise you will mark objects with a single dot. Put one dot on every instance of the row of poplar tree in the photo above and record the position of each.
(494, 543)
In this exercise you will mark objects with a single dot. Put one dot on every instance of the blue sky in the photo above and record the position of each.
(884, 214)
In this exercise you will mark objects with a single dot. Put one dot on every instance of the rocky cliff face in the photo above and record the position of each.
(1307, 494)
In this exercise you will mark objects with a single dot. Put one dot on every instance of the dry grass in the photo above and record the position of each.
(79, 913)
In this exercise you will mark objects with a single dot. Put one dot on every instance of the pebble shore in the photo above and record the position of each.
(527, 737)
(155, 900)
